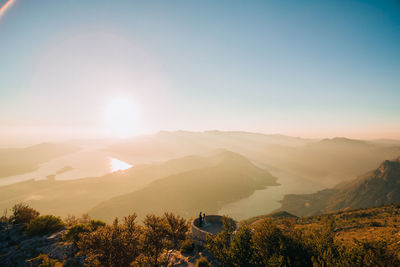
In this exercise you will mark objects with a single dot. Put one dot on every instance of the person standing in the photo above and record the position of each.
(200, 220)
(204, 218)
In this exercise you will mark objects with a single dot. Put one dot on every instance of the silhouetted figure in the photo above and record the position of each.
(204, 218)
(200, 220)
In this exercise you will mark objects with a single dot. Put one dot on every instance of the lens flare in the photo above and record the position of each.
(4, 7)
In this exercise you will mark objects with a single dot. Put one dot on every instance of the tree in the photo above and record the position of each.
(44, 224)
(115, 245)
(242, 250)
(22, 213)
(273, 247)
(219, 245)
(153, 240)
(176, 229)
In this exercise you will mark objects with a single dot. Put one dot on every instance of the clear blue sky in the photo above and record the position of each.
(309, 68)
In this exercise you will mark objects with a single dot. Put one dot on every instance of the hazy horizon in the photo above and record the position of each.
(28, 140)
(95, 69)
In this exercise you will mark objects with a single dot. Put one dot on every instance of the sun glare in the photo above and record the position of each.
(118, 165)
(122, 117)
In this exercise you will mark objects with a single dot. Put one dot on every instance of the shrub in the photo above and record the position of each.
(202, 262)
(71, 220)
(242, 250)
(47, 262)
(369, 253)
(187, 246)
(116, 245)
(375, 224)
(22, 213)
(94, 224)
(220, 244)
(44, 225)
(74, 232)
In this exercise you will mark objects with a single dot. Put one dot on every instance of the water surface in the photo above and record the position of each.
(266, 200)
(89, 162)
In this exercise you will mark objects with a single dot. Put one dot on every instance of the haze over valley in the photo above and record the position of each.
(240, 174)
(199, 133)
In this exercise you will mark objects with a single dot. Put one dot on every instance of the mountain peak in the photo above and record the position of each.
(389, 167)
(342, 140)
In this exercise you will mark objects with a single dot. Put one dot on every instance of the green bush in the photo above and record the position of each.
(112, 245)
(47, 262)
(187, 246)
(22, 213)
(202, 262)
(44, 225)
(74, 231)
(94, 224)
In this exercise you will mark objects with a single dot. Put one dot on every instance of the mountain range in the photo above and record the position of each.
(326, 162)
(374, 188)
(14, 161)
(188, 193)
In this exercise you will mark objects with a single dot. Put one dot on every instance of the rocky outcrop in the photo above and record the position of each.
(18, 249)
(213, 226)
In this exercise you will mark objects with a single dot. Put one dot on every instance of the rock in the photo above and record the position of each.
(18, 249)
(59, 251)
(74, 261)
(54, 237)
(34, 262)
(3, 245)
(33, 243)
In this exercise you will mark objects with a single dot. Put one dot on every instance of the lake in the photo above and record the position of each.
(89, 162)
(94, 162)
(266, 200)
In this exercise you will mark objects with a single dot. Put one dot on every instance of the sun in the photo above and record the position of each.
(122, 117)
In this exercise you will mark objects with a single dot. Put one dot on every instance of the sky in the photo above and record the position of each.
(121, 68)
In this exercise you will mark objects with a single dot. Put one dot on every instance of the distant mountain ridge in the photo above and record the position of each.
(326, 162)
(329, 161)
(378, 187)
(14, 161)
(62, 197)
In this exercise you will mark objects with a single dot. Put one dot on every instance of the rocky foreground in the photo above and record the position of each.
(19, 249)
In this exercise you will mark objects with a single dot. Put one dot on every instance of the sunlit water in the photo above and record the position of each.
(94, 163)
(84, 163)
(267, 200)
(119, 165)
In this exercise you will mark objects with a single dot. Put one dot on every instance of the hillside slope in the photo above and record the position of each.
(378, 187)
(188, 193)
(170, 144)
(329, 161)
(80, 195)
(14, 161)
(369, 224)
(326, 162)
